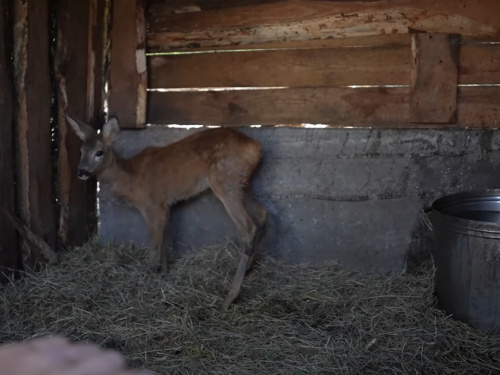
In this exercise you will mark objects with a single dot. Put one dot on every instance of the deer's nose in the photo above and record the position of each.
(82, 174)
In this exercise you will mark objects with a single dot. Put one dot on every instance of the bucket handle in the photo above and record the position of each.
(425, 218)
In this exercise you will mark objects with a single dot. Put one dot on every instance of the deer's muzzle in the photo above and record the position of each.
(83, 174)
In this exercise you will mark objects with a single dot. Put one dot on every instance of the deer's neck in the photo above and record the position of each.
(117, 174)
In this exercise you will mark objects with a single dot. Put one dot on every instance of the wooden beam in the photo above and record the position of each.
(388, 64)
(128, 71)
(310, 20)
(335, 106)
(354, 42)
(478, 106)
(32, 80)
(433, 94)
(183, 6)
(9, 249)
(79, 74)
(30, 238)
(366, 106)
(479, 63)
(329, 64)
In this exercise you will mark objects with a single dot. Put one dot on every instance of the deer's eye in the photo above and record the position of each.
(99, 153)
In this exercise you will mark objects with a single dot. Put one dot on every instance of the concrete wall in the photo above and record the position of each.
(350, 195)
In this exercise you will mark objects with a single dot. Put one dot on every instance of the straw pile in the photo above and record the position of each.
(290, 319)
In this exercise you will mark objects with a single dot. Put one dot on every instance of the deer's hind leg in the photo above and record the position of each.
(259, 214)
(231, 197)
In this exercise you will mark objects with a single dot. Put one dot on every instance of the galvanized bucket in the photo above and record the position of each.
(466, 251)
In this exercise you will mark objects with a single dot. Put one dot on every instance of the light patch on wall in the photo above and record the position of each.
(140, 60)
(98, 208)
(479, 85)
(206, 89)
(368, 86)
(315, 126)
(105, 104)
(175, 126)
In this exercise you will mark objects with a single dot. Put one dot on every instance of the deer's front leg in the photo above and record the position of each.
(156, 218)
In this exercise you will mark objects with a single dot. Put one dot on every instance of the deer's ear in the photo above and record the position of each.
(111, 130)
(82, 130)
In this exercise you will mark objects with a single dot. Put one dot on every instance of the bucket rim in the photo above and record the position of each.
(449, 200)
(439, 211)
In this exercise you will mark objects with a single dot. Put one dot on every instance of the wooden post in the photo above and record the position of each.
(33, 86)
(128, 75)
(9, 251)
(79, 67)
(433, 94)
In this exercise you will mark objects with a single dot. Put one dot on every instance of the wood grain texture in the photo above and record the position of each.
(433, 94)
(128, 73)
(366, 107)
(78, 68)
(347, 42)
(310, 20)
(478, 106)
(479, 64)
(380, 65)
(347, 64)
(335, 106)
(32, 80)
(9, 249)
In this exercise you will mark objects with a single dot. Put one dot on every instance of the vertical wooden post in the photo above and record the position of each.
(128, 75)
(433, 94)
(79, 66)
(9, 250)
(33, 87)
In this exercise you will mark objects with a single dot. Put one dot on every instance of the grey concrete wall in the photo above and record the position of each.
(349, 195)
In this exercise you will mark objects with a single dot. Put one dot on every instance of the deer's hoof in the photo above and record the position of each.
(158, 268)
(155, 267)
(164, 268)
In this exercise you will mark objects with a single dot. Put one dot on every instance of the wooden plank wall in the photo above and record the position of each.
(128, 71)
(35, 193)
(342, 63)
(9, 255)
(79, 69)
(36, 185)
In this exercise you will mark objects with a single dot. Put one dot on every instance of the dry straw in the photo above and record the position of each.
(290, 319)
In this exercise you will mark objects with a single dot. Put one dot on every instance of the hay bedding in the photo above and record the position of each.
(290, 320)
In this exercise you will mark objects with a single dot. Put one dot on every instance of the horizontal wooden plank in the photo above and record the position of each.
(339, 106)
(348, 61)
(465, 39)
(185, 6)
(479, 64)
(309, 20)
(383, 65)
(383, 107)
(354, 42)
(479, 106)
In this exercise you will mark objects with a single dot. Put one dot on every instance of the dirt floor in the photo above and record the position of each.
(289, 320)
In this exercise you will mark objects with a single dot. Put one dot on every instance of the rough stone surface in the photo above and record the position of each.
(350, 195)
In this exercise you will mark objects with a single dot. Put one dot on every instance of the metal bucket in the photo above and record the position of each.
(466, 251)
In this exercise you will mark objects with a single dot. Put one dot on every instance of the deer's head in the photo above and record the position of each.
(97, 149)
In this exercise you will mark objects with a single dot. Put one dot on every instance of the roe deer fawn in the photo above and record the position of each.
(221, 159)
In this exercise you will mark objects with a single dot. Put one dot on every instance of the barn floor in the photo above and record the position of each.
(290, 319)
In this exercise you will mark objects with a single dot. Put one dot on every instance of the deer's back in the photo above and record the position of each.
(183, 168)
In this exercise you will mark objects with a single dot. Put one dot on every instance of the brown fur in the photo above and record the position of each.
(221, 159)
